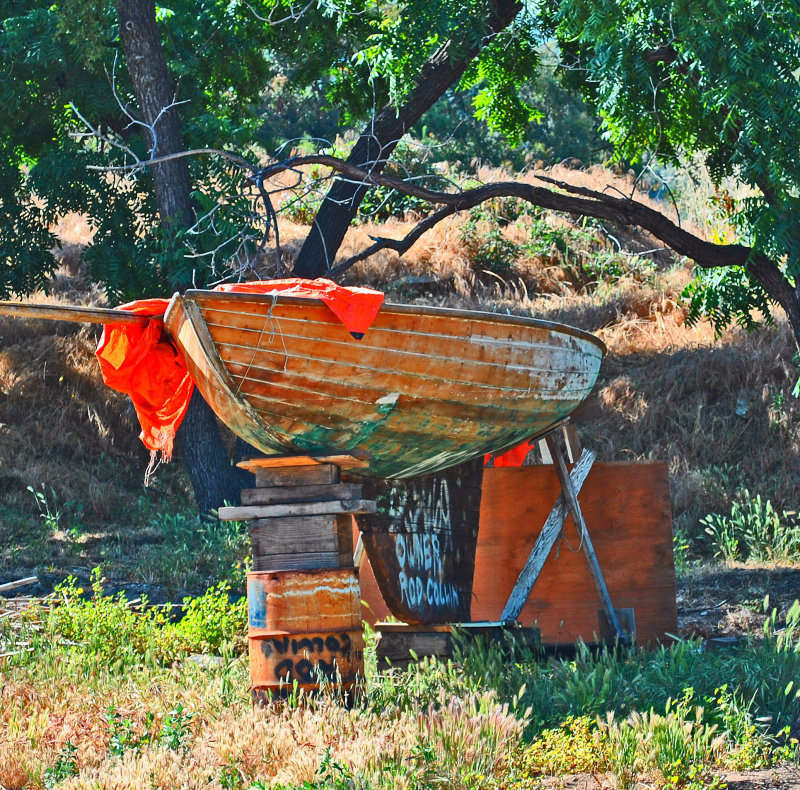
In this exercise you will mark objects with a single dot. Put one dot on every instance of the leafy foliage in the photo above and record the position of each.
(119, 632)
(722, 84)
(63, 63)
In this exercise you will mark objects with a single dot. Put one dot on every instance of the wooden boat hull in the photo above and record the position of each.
(426, 389)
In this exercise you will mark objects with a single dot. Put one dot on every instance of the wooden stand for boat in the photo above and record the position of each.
(304, 601)
(413, 512)
(620, 622)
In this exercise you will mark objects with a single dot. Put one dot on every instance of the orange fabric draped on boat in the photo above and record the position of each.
(514, 457)
(355, 307)
(140, 361)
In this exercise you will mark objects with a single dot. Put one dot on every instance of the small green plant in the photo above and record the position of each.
(681, 549)
(51, 515)
(64, 767)
(489, 248)
(123, 735)
(753, 531)
(175, 728)
(211, 620)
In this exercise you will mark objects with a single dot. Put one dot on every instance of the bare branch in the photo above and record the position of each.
(140, 163)
(400, 246)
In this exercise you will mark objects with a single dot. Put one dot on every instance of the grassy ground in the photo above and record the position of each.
(99, 694)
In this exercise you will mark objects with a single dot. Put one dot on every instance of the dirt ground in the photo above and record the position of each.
(723, 603)
(782, 777)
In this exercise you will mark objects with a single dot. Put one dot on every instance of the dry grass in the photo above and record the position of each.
(226, 738)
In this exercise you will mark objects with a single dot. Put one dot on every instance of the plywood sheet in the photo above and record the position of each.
(627, 511)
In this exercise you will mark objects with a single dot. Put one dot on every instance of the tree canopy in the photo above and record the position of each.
(65, 76)
(672, 80)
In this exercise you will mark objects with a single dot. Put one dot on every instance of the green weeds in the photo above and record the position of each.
(65, 766)
(209, 549)
(754, 531)
(124, 735)
(113, 630)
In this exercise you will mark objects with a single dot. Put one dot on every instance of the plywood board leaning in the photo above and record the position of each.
(627, 510)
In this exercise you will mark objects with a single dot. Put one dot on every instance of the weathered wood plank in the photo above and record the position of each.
(398, 640)
(288, 461)
(73, 313)
(586, 540)
(301, 535)
(297, 509)
(309, 561)
(397, 646)
(315, 474)
(300, 493)
(8, 586)
(545, 542)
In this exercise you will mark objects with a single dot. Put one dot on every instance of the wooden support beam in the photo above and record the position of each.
(335, 506)
(274, 495)
(586, 541)
(544, 543)
(8, 586)
(311, 474)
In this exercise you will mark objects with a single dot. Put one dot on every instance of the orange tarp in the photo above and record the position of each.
(140, 361)
(513, 457)
(355, 307)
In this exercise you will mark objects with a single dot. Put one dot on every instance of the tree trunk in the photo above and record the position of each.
(152, 85)
(214, 480)
(376, 143)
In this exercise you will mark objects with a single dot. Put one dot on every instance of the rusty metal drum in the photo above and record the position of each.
(303, 601)
(303, 626)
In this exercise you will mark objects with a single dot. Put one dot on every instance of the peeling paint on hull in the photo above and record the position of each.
(426, 389)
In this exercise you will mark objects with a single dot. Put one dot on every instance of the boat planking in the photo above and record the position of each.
(426, 389)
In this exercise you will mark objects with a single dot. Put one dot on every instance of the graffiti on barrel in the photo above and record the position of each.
(307, 658)
(306, 655)
(421, 543)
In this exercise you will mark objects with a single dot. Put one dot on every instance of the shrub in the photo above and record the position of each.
(117, 631)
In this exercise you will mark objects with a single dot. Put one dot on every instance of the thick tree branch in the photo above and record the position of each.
(572, 200)
(662, 54)
(378, 140)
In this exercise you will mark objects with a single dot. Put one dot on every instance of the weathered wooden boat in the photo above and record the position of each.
(426, 389)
